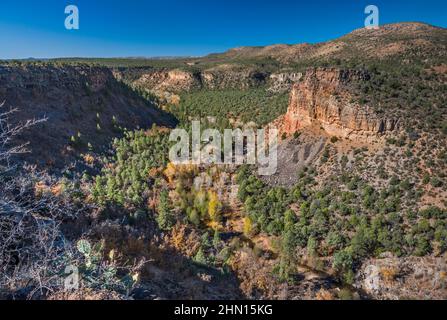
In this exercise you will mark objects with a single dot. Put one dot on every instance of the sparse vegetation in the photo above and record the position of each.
(123, 212)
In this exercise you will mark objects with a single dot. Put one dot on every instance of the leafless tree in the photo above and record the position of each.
(33, 250)
(8, 132)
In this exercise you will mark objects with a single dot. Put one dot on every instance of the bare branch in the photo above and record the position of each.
(33, 248)
(8, 132)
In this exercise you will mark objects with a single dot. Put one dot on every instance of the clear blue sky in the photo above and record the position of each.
(112, 28)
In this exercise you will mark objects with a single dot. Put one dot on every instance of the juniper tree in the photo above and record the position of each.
(165, 218)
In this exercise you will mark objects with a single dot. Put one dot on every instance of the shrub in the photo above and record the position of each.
(423, 246)
(436, 182)
(343, 260)
(345, 294)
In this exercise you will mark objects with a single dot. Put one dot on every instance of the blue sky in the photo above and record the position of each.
(112, 28)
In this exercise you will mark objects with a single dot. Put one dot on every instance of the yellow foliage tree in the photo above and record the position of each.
(170, 172)
(181, 171)
(214, 206)
(248, 226)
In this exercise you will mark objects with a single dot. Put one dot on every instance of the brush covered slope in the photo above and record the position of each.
(356, 209)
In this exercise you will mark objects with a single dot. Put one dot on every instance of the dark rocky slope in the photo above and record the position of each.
(83, 102)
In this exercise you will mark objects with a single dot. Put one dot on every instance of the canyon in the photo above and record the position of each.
(350, 213)
(83, 102)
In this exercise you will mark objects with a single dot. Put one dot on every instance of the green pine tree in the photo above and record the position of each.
(165, 219)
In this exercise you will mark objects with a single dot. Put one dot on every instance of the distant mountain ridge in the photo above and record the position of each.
(393, 44)
(373, 43)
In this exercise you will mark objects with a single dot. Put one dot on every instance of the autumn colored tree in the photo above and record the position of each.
(214, 206)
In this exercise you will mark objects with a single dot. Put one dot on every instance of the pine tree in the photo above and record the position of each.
(200, 257)
(216, 239)
(194, 217)
(165, 219)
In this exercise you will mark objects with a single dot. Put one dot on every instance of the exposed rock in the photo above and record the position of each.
(323, 98)
(372, 279)
(293, 155)
(221, 77)
(283, 82)
(168, 80)
(404, 278)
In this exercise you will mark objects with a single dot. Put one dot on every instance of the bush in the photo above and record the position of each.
(343, 260)
(423, 246)
(436, 182)
(345, 294)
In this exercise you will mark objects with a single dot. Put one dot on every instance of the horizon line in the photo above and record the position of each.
(175, 57)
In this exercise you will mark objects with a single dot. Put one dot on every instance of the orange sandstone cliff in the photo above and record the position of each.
(324, 99)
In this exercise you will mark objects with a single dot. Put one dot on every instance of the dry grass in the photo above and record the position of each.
(389, 274)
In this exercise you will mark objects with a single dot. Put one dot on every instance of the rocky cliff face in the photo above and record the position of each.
(77, 100)
(168, 80)
(222, 77)
(229, 76)
(323, 98)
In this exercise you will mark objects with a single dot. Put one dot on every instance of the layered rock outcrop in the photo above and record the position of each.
(218, 78)
(324, 98)
(168, 80)
(225, 76)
